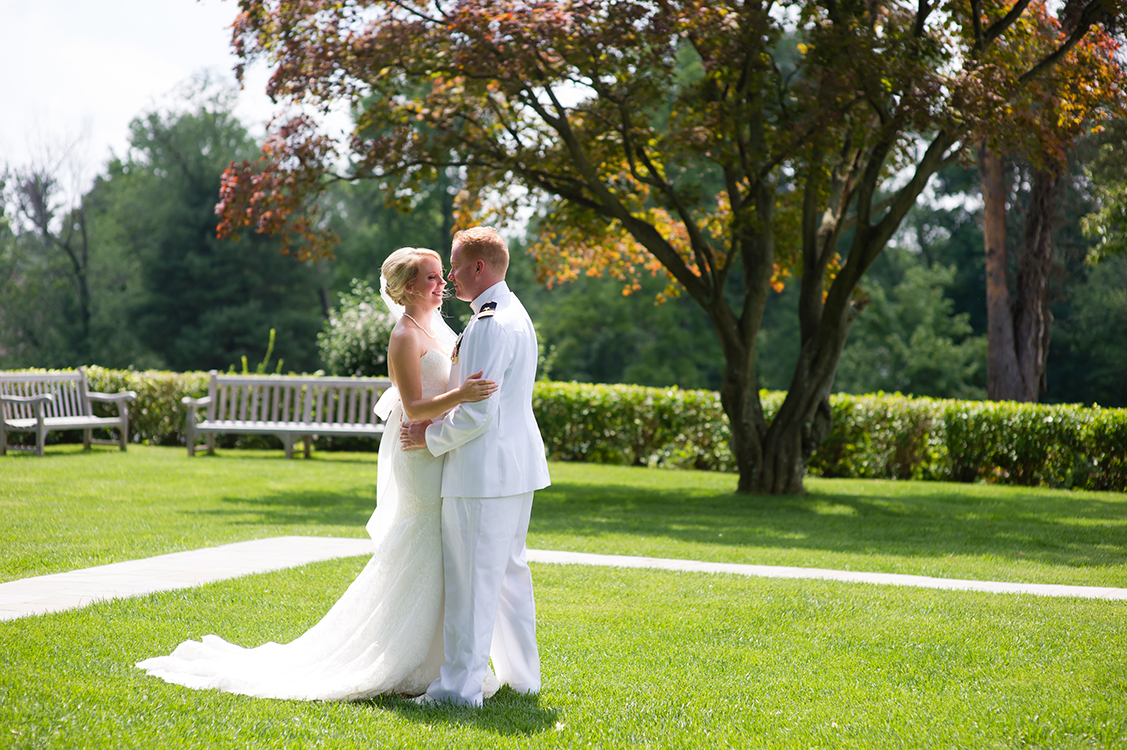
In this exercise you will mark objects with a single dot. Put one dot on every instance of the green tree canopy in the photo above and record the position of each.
(203, 302)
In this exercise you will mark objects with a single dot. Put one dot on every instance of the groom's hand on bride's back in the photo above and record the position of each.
(413, 435)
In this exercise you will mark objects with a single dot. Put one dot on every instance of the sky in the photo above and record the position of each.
(78, 71)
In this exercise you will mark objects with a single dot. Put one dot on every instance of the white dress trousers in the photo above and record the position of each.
(490, 610)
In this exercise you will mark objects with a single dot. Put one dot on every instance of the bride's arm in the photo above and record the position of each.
(403, 353)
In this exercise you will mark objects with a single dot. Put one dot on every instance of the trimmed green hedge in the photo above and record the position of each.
(624, 424)
(1056, 445)
(156, 416)
(875, 436)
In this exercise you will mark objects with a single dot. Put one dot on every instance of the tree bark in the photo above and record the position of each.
(790, 443)
(1019, 324)
(1032, 319)
(1003, 379)
(740, 399)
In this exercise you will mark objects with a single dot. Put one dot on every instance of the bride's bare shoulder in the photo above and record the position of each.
(405, 342)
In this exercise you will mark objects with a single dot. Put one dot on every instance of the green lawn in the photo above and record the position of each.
(631, 658)
(73, 509)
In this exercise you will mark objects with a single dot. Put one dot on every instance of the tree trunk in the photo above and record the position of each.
(1003, 380)
(83, 272)
(446, 195)
(790, 443)
(1032, 319)
(1018, 325)
(805, 418)
(740, 399)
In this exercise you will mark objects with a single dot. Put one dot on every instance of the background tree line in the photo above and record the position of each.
(131, 273)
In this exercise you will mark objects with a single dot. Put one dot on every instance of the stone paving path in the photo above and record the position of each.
(178, 570)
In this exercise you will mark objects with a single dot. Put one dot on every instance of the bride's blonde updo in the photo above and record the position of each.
(401, 268)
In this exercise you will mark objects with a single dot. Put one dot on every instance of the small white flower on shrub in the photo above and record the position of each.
(354, 341)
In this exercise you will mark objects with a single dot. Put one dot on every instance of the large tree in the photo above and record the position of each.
(619, 117)
(202, 302)
(1053, 112)
(46, 268)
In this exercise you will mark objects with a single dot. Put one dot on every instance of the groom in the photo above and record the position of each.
(494, 463)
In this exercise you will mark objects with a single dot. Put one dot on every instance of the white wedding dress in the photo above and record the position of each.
(384, 635)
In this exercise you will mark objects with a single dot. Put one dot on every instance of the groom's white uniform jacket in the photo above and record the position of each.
(501, 450)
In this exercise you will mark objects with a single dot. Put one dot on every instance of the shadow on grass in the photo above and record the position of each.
(265, 454)
(507, 713)
(881, 517)
(303, 507)
(65, 451)
(869, 517)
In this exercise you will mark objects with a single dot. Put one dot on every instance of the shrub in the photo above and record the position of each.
(156, 416)
(881, 435)
(626, 424)
(887, 436)
(1012, 443)
(355, 338)
(1103, 455)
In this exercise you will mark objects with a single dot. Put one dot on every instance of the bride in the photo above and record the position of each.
(384, 635)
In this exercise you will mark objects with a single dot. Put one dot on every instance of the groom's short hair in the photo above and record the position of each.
(487, 244)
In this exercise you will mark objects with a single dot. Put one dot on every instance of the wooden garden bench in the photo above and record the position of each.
(289, 406)
(40, 402)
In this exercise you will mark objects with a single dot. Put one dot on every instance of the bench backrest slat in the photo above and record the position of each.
(66, 400)
(213, 394)
(59, 406)
(221, 409)
(82, 402)
(288, 402)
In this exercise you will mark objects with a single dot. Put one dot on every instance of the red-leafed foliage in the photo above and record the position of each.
(728, 144)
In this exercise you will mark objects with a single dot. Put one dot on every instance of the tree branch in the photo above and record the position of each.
(1088, 17)
(999, 27)
(701, 248)
(922, 12)
(643, 231)
(976, 22)
(418, 13)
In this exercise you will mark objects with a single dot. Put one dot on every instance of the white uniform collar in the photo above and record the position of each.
(495, 292)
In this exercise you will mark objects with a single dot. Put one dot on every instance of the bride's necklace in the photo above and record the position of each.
(420, 325)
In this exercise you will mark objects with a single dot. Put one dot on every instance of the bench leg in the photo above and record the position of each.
(123, 432)
(40, 439)
(287, 443)
(308, 442)
(87, 436)
(3, 439)
(211, 443)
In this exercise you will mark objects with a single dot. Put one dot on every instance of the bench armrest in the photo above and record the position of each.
(44, 398)
(189, 401)
(123, 396)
